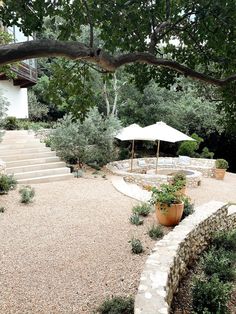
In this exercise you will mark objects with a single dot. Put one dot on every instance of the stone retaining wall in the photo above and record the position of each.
(168, 262)
(199, 166)
(204, 165)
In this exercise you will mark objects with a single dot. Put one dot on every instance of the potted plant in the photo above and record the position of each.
(220, 168)
(169, 204)
(179, 181)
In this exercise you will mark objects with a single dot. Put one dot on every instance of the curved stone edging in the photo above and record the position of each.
(170, 257)
(142, 166)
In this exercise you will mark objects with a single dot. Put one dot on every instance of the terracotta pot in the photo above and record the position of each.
(169, 215)
(220, 174)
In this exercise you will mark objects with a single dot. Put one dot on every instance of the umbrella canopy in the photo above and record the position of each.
(130, 133)
(160, 131)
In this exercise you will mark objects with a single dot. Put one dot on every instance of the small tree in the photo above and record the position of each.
(89, 141)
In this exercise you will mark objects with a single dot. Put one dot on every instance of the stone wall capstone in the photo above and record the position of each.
(168, 262)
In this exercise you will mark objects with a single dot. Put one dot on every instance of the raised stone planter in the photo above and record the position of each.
(168, 262)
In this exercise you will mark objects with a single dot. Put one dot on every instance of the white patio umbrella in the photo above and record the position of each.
(160, 131)
(131, 133)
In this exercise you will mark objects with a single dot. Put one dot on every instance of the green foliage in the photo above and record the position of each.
(225, 240)
(142, 209)
(205, 33)
(179, 180)
(189, 148)
(188, 208)
(117, 305)
(155, 232)
(33, 125)
(7, 183)
(27, 194)
(3, 109)
(211, 295)
(220, 263)
(91, 141)
(166, 194)
(70, 87)
(2, 209)
(206, 153)
(136, 246)
(37, 110)
(222, 164)
(11, 123)
(136, 220)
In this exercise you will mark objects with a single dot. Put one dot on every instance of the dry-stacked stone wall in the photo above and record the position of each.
(199, 167)
(171, 256)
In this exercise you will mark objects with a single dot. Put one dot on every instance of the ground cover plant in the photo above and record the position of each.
(136, 246)
(212, 291)
(155, 232)
(7, 183)
(135, 219)
(27, 194)
(117, 305)
(142, 209)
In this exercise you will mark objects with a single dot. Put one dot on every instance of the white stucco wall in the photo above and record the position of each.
(17, 97)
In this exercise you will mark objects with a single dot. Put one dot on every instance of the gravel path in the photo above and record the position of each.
(69, 250)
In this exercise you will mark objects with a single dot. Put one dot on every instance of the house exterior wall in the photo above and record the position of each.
(17, 97)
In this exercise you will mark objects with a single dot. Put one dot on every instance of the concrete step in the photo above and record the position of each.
(41, 173)
(44, 179)
(27, 156)
(35, 167)
(33, 161)
(21, 145)
(20, 141)
(24, 150)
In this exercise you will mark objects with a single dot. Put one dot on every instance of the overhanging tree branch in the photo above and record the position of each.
(78, 51)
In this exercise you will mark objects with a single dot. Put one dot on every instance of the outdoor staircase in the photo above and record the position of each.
(30, 160)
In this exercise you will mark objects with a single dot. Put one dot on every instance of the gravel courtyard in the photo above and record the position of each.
(69, 250)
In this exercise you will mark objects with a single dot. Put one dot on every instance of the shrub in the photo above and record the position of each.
(210, 295)
(225, 240)
(189, 148)
(7, 183)
(136, 246)
(155, 232)
(142, 209)
(27, 194)
(222, 164)
(188, 208)
(166, 194)
(117, 305)
(135, 220)
(2, 209)
(91, 141)
(11, 123)
(206, 153)
(179, 180)
(220, 263)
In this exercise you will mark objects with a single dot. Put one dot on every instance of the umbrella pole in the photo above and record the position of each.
(132, 155)
(158, 149)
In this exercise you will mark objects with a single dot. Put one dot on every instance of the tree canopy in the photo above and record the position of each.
(154, 39)
(195, 38)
